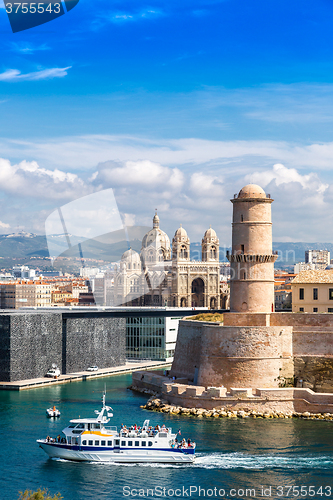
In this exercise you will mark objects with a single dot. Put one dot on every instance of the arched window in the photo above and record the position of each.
(183, 252)
(213, 253)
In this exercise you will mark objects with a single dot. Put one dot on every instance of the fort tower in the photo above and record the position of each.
(252, 259)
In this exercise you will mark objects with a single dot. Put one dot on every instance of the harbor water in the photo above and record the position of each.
(236, 458)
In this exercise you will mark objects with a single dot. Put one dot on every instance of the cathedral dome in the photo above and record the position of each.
(157, 238)
(131, 255)
(210, 234)
(252, 191)
(132, 259)
(181, 233)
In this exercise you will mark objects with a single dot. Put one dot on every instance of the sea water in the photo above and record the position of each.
(236, 458)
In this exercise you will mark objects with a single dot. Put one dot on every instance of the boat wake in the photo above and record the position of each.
(248, 461)
(236, 461)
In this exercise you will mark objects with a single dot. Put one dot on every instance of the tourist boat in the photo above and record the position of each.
(53, 412)
(91, 440)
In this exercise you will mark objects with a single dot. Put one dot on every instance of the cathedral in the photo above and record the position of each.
(161, 276)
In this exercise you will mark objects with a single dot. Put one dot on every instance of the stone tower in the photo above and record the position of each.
(252, 259)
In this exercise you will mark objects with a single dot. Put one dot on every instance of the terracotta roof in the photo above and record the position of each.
(321, 276)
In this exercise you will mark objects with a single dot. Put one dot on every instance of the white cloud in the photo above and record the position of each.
(30, 180)
(190, 181)
(27, 48)
(84, 152)
(14, 75)
(4, 225)
(139, 173)
(283, 175)
(206, 185)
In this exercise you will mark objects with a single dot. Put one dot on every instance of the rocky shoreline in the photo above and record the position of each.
(161, 405)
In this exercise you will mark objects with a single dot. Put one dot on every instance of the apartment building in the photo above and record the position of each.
(312, 291)
(25, 294)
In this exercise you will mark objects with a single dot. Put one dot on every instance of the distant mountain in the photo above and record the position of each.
(110, 247)
(23, 245)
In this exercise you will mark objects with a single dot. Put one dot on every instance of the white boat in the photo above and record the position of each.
(53, 412)
(91, 440)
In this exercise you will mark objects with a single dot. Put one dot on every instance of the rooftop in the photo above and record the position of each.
(320, 276)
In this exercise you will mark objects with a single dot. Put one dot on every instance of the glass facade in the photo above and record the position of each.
(145, 338)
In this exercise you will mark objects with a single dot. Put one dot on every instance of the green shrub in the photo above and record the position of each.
(38, 495)
(213, 317)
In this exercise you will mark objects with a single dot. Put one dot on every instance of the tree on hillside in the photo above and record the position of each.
(38, 495)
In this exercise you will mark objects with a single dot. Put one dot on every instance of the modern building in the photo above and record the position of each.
(320, 258)
(312, 292)
(314, 260)
(152, 337)
(23, 272)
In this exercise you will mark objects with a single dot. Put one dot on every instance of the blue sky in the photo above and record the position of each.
(174, 105)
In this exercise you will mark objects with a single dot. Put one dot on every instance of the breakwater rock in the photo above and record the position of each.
(162, 405)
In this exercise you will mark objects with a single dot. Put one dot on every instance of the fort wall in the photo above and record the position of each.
(257, 350)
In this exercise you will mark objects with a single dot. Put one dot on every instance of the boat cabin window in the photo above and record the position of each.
(123, 443)
(102, 443)
(79, 426)
(130, 443)
(117, 442)
(90, 443)
(109, 443)
(150, 443)
(96, 443)
(68, 440)
(137, 443)
(71, 426)
(84, 442)
(143, 443)
(96, 426)
(163, 435)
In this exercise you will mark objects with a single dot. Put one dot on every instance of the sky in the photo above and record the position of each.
(173, 105)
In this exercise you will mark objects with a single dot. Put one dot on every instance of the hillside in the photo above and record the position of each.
(31, 249)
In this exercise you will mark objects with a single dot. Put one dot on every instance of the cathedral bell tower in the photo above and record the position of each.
(210, 246)
(252, 259)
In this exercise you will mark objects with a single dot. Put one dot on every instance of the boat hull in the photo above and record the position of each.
(55, 450)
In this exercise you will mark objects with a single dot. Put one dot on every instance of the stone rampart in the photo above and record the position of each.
(284, 400)
(188, 349)
(309, 362)
(233, 356)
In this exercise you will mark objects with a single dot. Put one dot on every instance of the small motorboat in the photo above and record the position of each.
(53, 412)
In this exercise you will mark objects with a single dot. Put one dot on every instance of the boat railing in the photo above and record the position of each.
(110, 428)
